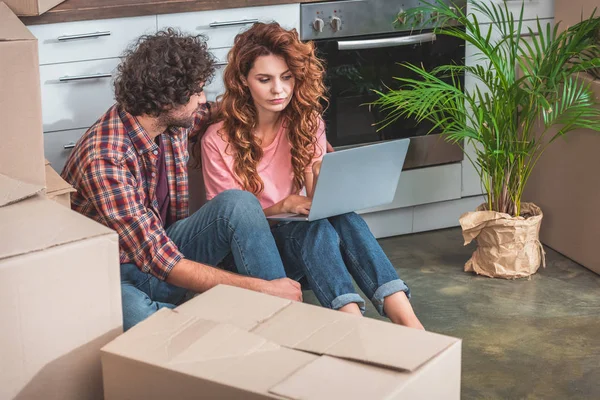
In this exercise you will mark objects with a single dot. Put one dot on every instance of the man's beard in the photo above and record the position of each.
(178, 121)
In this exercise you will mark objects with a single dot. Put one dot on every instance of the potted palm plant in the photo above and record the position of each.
(528, 94)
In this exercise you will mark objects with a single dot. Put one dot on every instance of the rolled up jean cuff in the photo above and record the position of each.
(346, 299)
(389, 288)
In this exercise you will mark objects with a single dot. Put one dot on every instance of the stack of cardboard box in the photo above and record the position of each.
(59, 271)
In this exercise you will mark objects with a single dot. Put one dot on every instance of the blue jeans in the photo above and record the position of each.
(330, 252)
(233, 223)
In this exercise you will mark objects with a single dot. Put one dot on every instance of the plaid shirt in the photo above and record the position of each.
(114, 169)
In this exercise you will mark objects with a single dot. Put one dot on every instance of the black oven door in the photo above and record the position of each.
(355, 67)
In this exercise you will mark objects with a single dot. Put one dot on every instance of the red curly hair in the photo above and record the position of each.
(302, 115)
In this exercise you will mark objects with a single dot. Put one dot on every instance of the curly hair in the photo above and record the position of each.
(301, 117)
(162, 71)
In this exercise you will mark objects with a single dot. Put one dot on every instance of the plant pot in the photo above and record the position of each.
(507, 247)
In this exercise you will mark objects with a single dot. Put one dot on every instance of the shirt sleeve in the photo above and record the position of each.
(114, 191)
(321, 148)
(217, 175)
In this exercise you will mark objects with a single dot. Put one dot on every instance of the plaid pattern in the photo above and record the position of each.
(114, 169)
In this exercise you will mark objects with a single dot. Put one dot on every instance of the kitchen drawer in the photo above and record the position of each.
(58, 146)
(89, 40)
(425, 185)
(532, 9)
(221, 26)
(75, 95)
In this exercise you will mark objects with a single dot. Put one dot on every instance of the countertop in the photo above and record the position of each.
(80, 10)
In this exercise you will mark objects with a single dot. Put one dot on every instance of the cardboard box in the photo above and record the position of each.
(57, 189)
(564, 184)
(22, 149)
(231, 343)
(31, 7)
(60, 299)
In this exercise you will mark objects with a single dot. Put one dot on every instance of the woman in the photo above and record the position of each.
(269, 140)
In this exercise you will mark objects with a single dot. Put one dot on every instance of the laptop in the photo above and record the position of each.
(355, 179)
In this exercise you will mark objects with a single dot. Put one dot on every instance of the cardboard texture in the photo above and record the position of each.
(60, 300)
(507, 247)
(565, 185)
(57, 189)
(22, 151)
(31, 7)
(234, 343)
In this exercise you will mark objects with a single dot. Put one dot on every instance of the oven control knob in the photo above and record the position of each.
(401, 18)
(336, 23)
(318, 24)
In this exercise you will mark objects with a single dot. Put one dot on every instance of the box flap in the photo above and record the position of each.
(11, 27)
(333, 378)
(55, 184)
(223, 353)
(318, 330)
(240, 307)
(12, 190)
(37, 223)
(381, 343)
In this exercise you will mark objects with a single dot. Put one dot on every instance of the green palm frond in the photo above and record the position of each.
(503, 112)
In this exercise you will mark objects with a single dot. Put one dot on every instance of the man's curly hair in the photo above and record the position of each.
(162, 71)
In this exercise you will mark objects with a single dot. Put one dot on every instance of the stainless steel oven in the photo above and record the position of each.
(363, 43)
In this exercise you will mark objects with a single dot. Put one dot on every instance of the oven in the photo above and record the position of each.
(363, 43)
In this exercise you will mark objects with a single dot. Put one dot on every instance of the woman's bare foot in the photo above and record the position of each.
(398, 309)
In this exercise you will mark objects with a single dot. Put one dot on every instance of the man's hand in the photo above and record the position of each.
(284, 287)
(297, 204)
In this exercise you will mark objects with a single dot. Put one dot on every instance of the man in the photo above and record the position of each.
(130, 172)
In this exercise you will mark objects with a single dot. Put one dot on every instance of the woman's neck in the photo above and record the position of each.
(267, 127)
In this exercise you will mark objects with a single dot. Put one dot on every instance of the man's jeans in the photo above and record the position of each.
(231, 223)
(330, 252)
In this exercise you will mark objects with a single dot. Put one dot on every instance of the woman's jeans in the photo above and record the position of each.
(233, 223)
(330, 252)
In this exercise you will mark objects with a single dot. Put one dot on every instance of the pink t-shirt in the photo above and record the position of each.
(275, 168)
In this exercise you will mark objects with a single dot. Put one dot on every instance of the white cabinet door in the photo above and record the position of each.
(221, 26)
(75, 95)
(89, 40)
(58, 146)
(532, 9)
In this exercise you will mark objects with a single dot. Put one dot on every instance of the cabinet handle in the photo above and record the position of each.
(69, 145)
(221, 63)
(232, 23)
(84, 77)
(91, 35)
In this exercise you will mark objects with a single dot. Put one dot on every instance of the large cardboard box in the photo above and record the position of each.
(565, 185)
(565, 181)
(31, 7)
(60, 298)
(231, 343)
(22, 149)
(57, 189)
